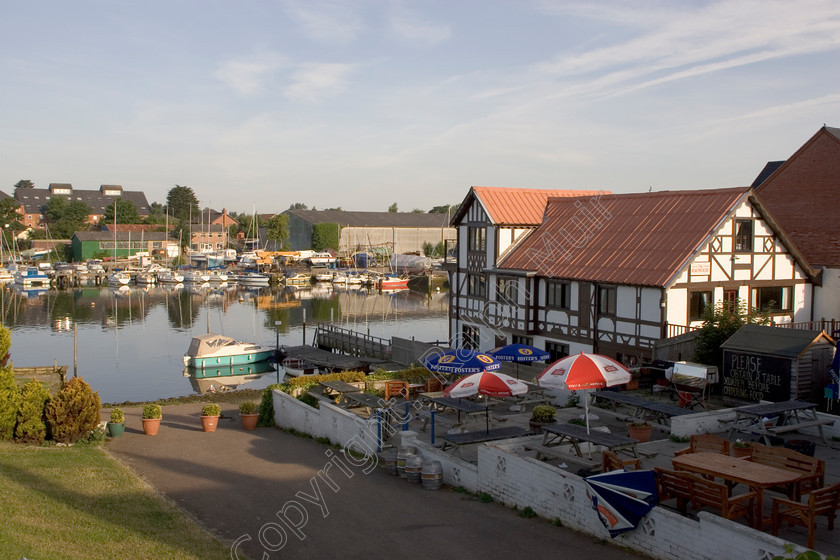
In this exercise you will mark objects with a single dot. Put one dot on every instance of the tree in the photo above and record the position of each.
(126, 212)
(66, 217)
(10, 219)
(326, 236)
(157, 214)
(393, 208)
(445, 209)
(182, 203)
(278, 228)
(24, 184)
(721, 321)
(298, 206)
(417, 211)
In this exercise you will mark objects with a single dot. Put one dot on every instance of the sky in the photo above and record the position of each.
(358, 104)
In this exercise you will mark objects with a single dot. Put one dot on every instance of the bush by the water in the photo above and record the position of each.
(9, 403)
(31, 425)
(266, 417)
(74, 412)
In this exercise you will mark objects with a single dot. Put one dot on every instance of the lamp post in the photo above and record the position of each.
(277, 348)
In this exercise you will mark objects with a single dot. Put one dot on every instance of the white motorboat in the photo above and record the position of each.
(31, 276)
(145, 278)
(214, 350)
(120, 278)
(196, 277)
(218, 276)
(297, 367)
(170, 277)
(253, 279)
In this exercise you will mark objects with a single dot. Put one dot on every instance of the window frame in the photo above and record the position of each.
(551, 295)
(470, 337)
(477, 285)
(611, 299)
(743, 241)
(476, 239)
(786, 293)
(701, 307)
(556, 350)
(507, 290)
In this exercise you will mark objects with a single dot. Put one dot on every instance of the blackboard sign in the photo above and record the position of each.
(755, 377)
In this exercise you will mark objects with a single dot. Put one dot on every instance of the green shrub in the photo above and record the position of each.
(117, 415)
(577, 422)
(74, 412)
(31, 427)
(543, 413)
(527, 513)
(247, 407)
(266, 418)
(308, 399)
(9, 403)
(151, 411)
(211, 409)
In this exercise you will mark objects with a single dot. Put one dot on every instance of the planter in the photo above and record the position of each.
(249, 421)
(209, 423)
(639, 433)
(802, 446)
(741, 451)
(151, 426)
(536, 427)
(116, 429)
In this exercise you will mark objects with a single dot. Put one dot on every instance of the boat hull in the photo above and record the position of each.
(229, 360)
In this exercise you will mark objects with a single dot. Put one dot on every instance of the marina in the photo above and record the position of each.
(130, 340)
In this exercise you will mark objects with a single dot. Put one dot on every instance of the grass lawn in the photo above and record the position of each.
(78, 502)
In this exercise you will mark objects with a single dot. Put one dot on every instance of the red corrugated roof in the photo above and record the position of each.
(640, 239)
(520, 206)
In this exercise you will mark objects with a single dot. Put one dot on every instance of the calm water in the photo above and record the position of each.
(131, 341)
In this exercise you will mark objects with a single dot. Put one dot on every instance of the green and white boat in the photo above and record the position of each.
(215, 350)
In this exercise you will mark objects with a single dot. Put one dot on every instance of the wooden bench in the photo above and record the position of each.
(812, 470)
(794, 427)
(820, 502)
(700, 492)
(706, 442)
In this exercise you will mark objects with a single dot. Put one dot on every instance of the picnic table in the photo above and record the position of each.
(643, 409)
(557, 434)
(737, 470)
(458, 405)
(340, 388)
(363, 400)
(481, 436)
(789, 416)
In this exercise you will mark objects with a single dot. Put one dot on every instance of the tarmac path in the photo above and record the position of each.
(262, 490)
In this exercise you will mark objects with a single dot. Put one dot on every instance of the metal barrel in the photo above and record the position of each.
(413, 468)
(401, 456)
(389, 460)
(431, 474)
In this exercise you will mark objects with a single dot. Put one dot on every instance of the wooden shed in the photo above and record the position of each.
(764, 363)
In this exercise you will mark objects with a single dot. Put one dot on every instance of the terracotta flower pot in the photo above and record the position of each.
(249, 421)
(151, 426)
(639, 433)
(209, 423)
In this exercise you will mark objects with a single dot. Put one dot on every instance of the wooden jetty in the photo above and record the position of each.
(52, 377)
(328, 361)
(332, 338)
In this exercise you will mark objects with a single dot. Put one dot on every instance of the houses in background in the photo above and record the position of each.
(33, 200)
(614, 273)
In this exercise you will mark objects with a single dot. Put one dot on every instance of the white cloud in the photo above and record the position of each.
(249, 76)
(312, 82)
(326, 22)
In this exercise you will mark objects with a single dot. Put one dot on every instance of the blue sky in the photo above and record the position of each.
(362, 103)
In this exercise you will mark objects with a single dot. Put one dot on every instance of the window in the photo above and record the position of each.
(697, 303)
(469, 337)
(508, 290)
(477, 285)
(519, 339)
(606, 300)
(743, 236)
(556, 350)
(477, 239)
(773, 299)
(558, 295)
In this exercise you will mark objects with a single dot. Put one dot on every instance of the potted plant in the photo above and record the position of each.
(116, 425)
(542, 415)
(249, 414)
(741, 448)
(151, 419)
(210, 413)
(640, 431)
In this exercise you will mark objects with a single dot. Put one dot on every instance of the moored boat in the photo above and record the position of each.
(170, 277)
(31, 276)
(214, 350)
(297, 367)
(393, 283)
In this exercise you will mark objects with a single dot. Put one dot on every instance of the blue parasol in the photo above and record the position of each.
(460, 362)
(519, 353)
(621, 498)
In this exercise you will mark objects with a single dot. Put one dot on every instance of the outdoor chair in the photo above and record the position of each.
(612, 462)
(396, 389)
(820, 502)
(709, 443)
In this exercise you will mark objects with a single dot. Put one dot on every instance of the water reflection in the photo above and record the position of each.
(130, 341)
(220, 379)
